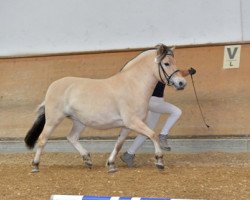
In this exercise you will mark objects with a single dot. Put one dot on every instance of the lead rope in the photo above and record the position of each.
(197, 100)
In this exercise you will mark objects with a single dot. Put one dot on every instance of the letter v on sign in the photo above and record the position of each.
(232, 56)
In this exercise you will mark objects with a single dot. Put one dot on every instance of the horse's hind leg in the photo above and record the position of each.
(111, 160)
(42, 140)
(73, 138)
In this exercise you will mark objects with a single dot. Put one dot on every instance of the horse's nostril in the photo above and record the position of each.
(181, 83)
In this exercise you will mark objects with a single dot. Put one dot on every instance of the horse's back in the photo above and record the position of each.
(71, 87)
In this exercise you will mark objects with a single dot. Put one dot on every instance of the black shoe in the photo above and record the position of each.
(164, 143)
(128, 159)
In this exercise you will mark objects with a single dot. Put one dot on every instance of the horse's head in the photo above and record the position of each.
(167, 71)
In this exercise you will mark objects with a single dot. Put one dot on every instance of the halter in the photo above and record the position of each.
(167, 77)
(166, 52)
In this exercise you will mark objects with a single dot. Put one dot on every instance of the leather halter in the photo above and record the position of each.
(167, 77)
(168, 52)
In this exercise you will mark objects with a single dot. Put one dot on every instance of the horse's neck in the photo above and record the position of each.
(141, 76)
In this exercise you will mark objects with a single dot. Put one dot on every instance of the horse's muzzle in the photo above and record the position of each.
(180, 85)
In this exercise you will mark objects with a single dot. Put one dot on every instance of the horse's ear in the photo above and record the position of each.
(172, 48)
(160, 48)
(160, 52)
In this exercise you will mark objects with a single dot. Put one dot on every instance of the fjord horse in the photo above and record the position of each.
(118, 101)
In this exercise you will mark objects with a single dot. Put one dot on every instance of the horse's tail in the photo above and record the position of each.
(37, 128)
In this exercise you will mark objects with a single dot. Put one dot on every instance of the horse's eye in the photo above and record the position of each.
(167, 64)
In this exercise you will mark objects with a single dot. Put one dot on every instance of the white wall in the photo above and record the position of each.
(59, 26)
(245, 5)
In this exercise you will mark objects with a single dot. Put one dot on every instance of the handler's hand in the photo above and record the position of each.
(192, 71)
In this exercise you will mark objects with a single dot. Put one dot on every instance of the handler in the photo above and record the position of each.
(157, 106)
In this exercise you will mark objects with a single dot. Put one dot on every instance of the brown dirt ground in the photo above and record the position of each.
(215, 176)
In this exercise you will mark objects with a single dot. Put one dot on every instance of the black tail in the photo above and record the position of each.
(36, 130)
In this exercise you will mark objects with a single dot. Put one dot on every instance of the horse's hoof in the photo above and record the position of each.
(159, 162)
(160, 166)
(35, 167)
(88, 164)
(35, 170)
(87, 161)
(112, 169)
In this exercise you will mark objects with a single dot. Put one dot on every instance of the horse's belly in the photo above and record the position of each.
(101, 123)
(97, 119)
(104, 125)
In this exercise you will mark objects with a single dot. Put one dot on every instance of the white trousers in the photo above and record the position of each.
(157, 106)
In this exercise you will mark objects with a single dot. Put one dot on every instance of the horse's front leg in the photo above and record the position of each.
(111, 160)
(140, 127)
